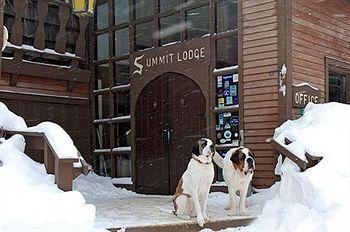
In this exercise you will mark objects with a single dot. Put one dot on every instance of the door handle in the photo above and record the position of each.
(167, 136)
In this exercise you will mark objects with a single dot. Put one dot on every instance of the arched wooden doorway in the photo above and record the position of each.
(170, 117)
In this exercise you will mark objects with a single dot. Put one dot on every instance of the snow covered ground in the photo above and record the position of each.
(314, 200)
(116, 207)
(29, 199)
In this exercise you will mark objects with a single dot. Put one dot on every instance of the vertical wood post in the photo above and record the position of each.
(49, 159)
(64, 174)
(39, 41)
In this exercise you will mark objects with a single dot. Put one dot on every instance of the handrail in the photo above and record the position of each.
(61, 167)
(303, 165)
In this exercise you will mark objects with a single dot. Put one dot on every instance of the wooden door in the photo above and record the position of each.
(170, 117)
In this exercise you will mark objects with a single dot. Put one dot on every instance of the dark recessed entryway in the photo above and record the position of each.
(170, 117)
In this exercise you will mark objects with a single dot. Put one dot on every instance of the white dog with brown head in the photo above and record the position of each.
(191, 195)
(238, 170)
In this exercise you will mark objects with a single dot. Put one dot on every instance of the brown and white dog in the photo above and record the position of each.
(191, 195)
(238, 170)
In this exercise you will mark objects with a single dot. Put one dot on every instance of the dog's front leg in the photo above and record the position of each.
(204, 205)
(243, 196)
(232, 205)
(195, 199)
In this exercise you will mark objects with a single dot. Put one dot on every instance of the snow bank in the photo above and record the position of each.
(58, 137)
(317, 199)
(9, 120)
(29, 199)
(97, 188)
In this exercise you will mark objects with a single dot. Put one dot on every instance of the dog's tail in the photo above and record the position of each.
(218, 160)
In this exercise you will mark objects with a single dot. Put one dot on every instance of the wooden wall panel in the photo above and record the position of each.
(260, 89)
(74, 118)
(319, 29)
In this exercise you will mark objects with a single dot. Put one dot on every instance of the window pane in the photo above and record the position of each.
(122, 41)
(166, 5)
(102, 76)
(195, 1)
(197, 22)
(122, 72)
(144, 35)
(123, 134)
(122, 104)
(337, 87)
(102, 47)
(102, 136)
(226, 52)
(121, 9)
(170, 29)
(102, 16)
(143, 8)
(102, 106)
(227, 128)
(123, 167)
(226, 15)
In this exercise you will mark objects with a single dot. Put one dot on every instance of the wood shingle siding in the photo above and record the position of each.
(259, 42)
(319, 30)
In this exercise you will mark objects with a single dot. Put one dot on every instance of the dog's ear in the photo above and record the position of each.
(252, 155)
(235, 157)
(195, 149)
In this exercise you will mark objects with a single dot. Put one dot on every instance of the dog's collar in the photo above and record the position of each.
(198, 160)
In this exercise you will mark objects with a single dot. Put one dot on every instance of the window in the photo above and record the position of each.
(195, 1)
(197, 22)
(102, 106)
(226, 52)
(143, 8)
(102, 16)
(103, 136)
(144, 35)
(122, 42)
(121, 10)
(170, 29)
(102, 47)
(121, 104)
(165, 5)
(30, 21)
(102, 71)
(122, 72)
(122, 131)
(338, 87)
(52, 26)
(226, 15)
(72, 32)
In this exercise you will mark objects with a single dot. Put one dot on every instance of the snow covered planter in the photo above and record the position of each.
(318, 198)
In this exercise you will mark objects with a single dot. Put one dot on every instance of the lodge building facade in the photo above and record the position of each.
(165, 73)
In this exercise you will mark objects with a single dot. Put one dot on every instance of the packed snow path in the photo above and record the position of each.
(117, 207)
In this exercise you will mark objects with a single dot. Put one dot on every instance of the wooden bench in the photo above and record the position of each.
(303, 165)
(62, 168)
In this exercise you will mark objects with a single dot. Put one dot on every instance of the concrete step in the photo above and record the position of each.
(188, 227)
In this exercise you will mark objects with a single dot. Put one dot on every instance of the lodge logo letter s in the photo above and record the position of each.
(138, 65)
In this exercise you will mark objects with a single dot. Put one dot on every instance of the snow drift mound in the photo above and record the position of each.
(29, 200)
(317, 199)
